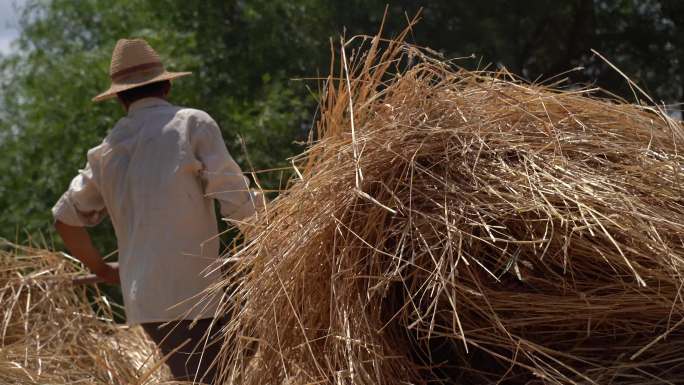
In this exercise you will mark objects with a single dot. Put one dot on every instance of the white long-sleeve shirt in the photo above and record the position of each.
(156, 174)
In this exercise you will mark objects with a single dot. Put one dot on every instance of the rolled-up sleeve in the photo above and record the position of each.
(222, 177)
(82, 203)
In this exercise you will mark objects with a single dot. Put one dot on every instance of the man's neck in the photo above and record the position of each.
(145, 102)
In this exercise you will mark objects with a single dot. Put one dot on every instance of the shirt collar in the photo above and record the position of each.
(145, 103)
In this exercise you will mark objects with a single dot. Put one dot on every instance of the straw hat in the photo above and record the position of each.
(134, 64)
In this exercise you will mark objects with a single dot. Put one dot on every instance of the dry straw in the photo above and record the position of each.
(51, 334)
(466, 227)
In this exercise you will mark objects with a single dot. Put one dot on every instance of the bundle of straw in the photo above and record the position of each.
(466, 227)
(50, 334)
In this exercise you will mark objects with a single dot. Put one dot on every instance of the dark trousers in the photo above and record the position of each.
(192, 361)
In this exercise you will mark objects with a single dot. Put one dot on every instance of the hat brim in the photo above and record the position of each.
(116, 88)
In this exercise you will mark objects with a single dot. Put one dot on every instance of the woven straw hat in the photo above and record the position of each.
(134, 64)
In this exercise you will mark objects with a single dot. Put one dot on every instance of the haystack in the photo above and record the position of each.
(52, 332)
(448, 226)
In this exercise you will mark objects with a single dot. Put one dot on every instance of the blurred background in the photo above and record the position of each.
(249, 58)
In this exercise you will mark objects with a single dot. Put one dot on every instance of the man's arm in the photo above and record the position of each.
(78, 242)
(80, 206)
(223, 179)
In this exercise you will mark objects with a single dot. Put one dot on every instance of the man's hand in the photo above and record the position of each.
(109, 275)
(78, 242)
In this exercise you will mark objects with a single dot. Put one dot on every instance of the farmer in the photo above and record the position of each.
(156, 175)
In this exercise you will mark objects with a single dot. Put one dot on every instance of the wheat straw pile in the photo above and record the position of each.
(464, 227)
(50, 334)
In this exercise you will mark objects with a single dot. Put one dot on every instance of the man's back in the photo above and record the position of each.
(155, 175)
